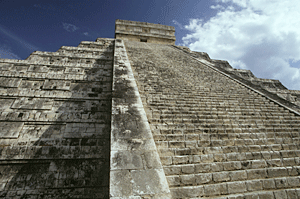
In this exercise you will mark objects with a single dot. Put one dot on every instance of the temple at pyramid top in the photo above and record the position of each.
(144, 32)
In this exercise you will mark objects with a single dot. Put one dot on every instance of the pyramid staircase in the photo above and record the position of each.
(216, 137)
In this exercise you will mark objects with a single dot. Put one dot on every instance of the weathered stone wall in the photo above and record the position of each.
(216, 137)
(148, 32)
(55, 123)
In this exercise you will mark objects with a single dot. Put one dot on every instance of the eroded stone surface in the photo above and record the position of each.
(10, 129)
(133, 152)
(55, 124)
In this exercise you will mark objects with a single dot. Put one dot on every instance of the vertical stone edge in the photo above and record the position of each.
(135, 167)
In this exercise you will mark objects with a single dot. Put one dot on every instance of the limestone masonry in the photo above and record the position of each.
(138, 117)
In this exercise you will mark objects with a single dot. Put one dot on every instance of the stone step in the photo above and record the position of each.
(227, 102)
(220, 113)
(221, 116)
(169, 158)
(178, 141)
(199, 104)
(245, 133)
(193, 114)
(228, 122)
(197, 107)
(215, 101)
(209, 153)
(206, 123)
(231, 176)
(197, 168)
(278, 188)
(190, 156)
(273, 137)
(275, 194)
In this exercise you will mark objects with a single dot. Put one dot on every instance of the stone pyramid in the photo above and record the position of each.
(138, 117)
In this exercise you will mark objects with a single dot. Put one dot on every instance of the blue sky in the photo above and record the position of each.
(260, 35)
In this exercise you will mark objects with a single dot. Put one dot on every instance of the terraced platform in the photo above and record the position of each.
(55, 123)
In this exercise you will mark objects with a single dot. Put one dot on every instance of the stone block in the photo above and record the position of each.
(255, 185)
(274, 162)
(266, 195)
(207, 158)
(188, 169)
(281, 183)
(176, 144)
(236, 187)
(203, 178)
(219, 157)
(187, 192)
(293, 181)
(229, 166)
(291, 193)
(268, 184)
(215, 189)
(281, 194)
(238, 175)
(257, 173)
(221, 177)
(216, 167)
(277, 172)
(292, 171)
(172, 170)
(180, 160)
(188, 179)
(289, 162)
(202, 168)
(258, 164)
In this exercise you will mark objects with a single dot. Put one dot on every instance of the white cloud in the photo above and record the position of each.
(86, 33)
(263, 36)
(216, 7)
(14, 37)
(178, 24)
(6, 53)
(69, 27)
